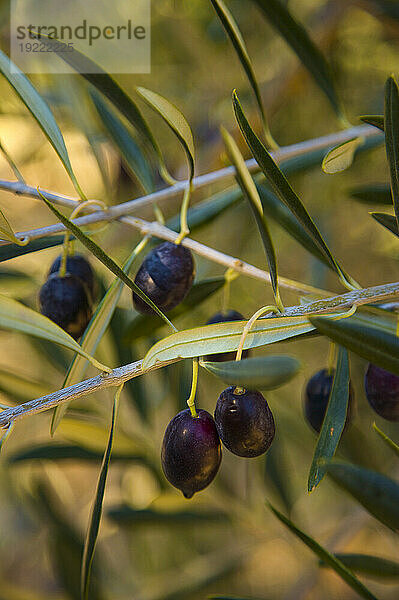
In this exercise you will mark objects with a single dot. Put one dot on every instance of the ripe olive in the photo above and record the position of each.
(317, 394)
(382, 392)
(79, 266)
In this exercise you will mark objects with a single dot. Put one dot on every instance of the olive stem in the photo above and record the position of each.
(194, 383)
(248, 326)
(229, 276)
(184, 229)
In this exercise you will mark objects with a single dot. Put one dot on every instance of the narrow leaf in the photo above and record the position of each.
(387, 221)
(128, 147)
(145, 325)
(237, 40)
(326, 557)
(176, 121)
(371, 566)
(280, 184)
(308, 53)
(7, 233)
(13, 250)
(40, 111)
(18, 317)
(391, 126)
(375, 345)
(374, 120)
(93, 335)
(375, 193)
(333, 423)
(18, 387)
(63, 452)
(390, 443)
(250, 192)
(341, 157)
(224, 337)
(104, 258)
(126, 515)
(260, 372)
(96, 513)
(377, 493)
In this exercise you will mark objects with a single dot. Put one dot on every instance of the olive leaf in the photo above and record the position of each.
(377, 493)
(374, 120)
(391, 126)
(374, 193)
(376, 345)
(237, 40)
(18, 317)
(224, 337)
(308, 53)
(62, 452)
(18, 387)
(390, 443)
(40, 111)
(372, 566)
(131, 153)
(13, 250)
(93, 335)
(96, 513)
(260, 372)
(6, 231)
(282, 187)
(327, 558)
(104, 258)
(333, 423)
(341, 157)
(249, 190)
(125, 515)
(387, 221)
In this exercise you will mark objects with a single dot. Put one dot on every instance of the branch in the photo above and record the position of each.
(120, 375)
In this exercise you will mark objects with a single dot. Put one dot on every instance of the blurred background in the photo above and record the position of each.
(154, 544)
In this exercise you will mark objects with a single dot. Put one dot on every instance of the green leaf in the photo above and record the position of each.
(341, 157)
(96, 513)
(145, 325)
(327, 558)
(250, 192)
(375, 345)
(387, 221)
(224, 337)
(126, 515)
(260, 372)
(375, 193)
(6, 231)
(128, 147)
(18, 317)
(105, 84)
(104, 258)
(59, 451)
(390, 443)
(308, 53)
(391, 126)
(93, 334)
(174, 119)
(21, 388)
(13, 250)
(371, 566)
(377, 493)
(374, 120)
(333, 423)
(280, 184)
(237, 40)
(40, 111)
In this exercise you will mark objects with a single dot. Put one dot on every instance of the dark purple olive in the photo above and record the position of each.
(64, 300)
(244, 421)
(191, 451)
(166, 276)
(382, 392)
(317, 394)
(79, 266)
(224, 317)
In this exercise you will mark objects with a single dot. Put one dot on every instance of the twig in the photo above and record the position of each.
(125, 373)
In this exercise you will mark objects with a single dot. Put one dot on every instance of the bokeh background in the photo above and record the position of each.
(154, 545)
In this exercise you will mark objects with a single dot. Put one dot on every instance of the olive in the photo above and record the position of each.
(244, 421)
(64, 300)
(191, 451)
(317, 394)
(224, 317)
(382, 392)
(165, 276)
(79, 266)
